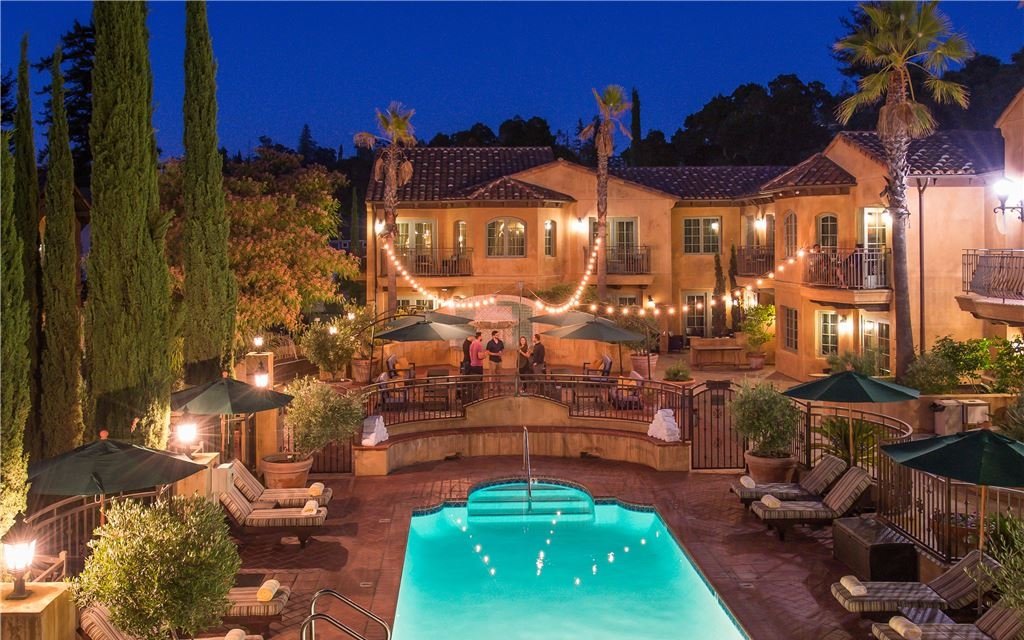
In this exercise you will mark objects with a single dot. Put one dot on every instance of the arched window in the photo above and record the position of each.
(506, 238)
(828, 231)
(789, 234)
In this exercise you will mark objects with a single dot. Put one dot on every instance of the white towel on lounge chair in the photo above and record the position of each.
(905, 628)
(267, 590)
(309, 508)
(747, 482)
(771, 501)
(316, 489)
(854, 586)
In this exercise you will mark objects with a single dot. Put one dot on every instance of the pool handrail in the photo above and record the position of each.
(313, 615)
(309, 624)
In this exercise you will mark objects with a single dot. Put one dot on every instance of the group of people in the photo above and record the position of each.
(529, 358)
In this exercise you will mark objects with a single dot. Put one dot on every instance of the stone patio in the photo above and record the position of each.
(776, 589)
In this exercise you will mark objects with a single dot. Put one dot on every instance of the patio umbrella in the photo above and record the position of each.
(424, 331)
(600, 330)
(853, 388)
(227, 396)
(568, 318)
(980, 457)
(429, 316)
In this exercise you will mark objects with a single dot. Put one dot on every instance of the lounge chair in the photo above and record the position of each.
(247, 611)
(837, 502)
(998, 623)
(400, 366)
(247, 518)
(254, 490)
(95, 624)
(627, 392)
(393, 396)
(954, 589)
(811, 487)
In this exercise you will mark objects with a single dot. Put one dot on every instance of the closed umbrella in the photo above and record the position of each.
(227, 396)
(853, 388)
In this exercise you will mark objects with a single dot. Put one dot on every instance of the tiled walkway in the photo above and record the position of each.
(776, 589)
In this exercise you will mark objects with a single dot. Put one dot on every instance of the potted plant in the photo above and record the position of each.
(164, 570)
(769, 422)
(328, 346)
(317, 416)
(643, 353)
(756, 325)
(679, 374)
(357, 325)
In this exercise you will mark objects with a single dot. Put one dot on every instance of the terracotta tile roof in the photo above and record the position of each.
(505, 188)
(816, 171)
(702, 183)
(956, 152)
(448, 173)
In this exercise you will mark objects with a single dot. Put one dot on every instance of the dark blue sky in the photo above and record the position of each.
(330, 64)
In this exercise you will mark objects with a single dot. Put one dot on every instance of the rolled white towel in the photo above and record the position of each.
(235, 634)
(905, 628)
(771, 501)
(316, 489)
(309, 508)
(267, 590)
(854, 586)
(747, 482)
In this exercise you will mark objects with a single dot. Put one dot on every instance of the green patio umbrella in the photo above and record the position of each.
(427, 316)
(980, 457)
(853, 388)
(568, 318)
(595, 329)
(425, 331)
(227, 396)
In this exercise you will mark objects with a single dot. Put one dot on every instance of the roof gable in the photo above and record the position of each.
(955, 152)
(816, 171)
(505, 188)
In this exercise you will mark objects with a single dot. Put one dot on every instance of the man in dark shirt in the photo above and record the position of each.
(537, 355)
(495, 347)
(465, 354)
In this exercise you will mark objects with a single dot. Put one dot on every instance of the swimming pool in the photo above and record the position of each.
(552, 566)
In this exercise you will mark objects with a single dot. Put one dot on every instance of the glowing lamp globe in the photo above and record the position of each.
(187, 432)
(19, 550)
(257, 341)
(1003, 188)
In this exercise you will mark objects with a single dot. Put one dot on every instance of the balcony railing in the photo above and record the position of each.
(432, 261)
(994, 273)
(628, 260)
(754, 260)
(844, 268)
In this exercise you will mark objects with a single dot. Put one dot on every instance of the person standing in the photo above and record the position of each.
(466, 344)
(495, 348)
(537, 355)
(476, 352)
(523, 356)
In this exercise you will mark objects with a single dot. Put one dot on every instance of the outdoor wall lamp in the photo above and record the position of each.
(547, 225)
(378, 227)
(261, 377)
(1008, 191)
(761, 223)
(845, 323)
(19, 550)
(650, 302)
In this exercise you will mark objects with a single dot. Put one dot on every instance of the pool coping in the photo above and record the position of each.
(598, 500)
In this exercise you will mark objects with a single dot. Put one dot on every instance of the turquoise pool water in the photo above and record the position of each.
(554, 567)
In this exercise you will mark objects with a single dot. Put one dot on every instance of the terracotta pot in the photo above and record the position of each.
(361, 370)
(286, 471)
(332, 376)
(756, 360)
(640, 363)
(769, 469)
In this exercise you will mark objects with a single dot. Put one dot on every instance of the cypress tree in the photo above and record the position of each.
(636, 154)
(26, 215)
(353, 222)
(60, 412)
(718, 304)
(14, 360)
(127, 314)
(209, 302)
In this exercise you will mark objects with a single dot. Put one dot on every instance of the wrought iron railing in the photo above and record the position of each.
(754, 260)
(827, 430)
(431, 261)
(625, 260)
(994, 273)
(845, 268)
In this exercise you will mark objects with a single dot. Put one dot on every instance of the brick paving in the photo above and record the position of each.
(776, 589)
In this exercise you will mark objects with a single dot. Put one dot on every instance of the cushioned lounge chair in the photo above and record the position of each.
(998, 623)
(837, 502)
(248, 519)
(954, 589)
(246, 611)
(627, 392)
(95, 624)
(254, 490)
(811, 487)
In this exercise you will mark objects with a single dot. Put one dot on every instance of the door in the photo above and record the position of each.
(695, 311)
(715, 444)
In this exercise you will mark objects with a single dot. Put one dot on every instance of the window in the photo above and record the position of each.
(789, 234)
(460, 236)
(828, 333)
(828, 231)
(695, 314)
(791, 330)
(769, 233)
(875, 341)
(506, 238)
(415, 234)
(550, 238)
(702, 235)
(628, 301)
(876, 229)
(410, 303)
(749, 232)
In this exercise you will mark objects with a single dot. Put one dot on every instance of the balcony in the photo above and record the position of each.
(848, 268)
(994, 273)
(754, 260)
(630, 260)
(432, 262)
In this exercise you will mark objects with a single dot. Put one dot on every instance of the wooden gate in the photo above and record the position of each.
(714, 442)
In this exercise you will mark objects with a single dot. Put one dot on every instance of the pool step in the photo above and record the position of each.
(551, 508)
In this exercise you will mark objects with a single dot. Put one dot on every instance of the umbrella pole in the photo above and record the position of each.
(853, 456)
(983, 500)
(103, 512)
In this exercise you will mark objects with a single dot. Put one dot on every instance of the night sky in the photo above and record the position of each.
(330, 64)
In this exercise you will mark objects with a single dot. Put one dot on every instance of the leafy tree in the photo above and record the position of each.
(319, 415)
(307, 146)
(611, 103)
(14, 360)
(894, 38)
(26, 215)
(208, 306)
(127, 320)
(396, 134)
(1008, 366)
(991, 84)
(717, 303)
(969, 357)
(60, 409)
(479, 135)
(313, 153)
(162, 569)
(516, 132)
(931, 374)
(353, 220)
(657, 151)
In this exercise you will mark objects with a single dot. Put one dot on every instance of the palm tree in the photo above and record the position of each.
(612, 105)
(897, 39)
(394, 169)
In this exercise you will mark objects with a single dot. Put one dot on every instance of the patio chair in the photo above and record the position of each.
(249, 612)
(394, 396)
(254, 490)
(998, 623)
(248, 519)
(811, 487)
(95, 624)
(400, 367)
(837, 502)
(49, 568)
(628, 392)
(958, 587)
(604, 372)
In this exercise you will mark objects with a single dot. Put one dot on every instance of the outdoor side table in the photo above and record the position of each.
(47, 614)
(873, 550)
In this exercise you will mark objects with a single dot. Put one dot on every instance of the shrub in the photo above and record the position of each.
(644, 326)
(968, 357)
(678, 372)
(864, 363)
(1007, 546)
(328, 345)
(766, 418)
(931, 374)
(319, 415)
(1011, 423)
(1008, 366)
(834, 434)
(756, 325)
(162, 569)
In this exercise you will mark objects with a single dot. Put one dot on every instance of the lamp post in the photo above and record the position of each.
(1011, 198)
(261, 378)
(19, 548)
